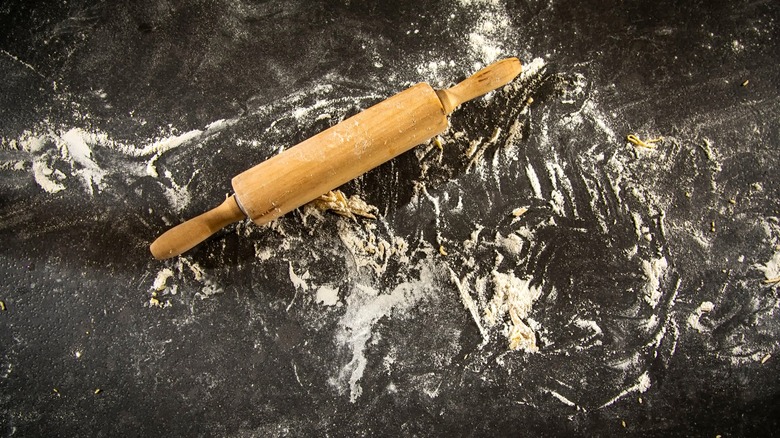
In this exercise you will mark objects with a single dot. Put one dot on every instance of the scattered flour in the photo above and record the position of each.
(508, 309)
(590, 325)
(530, 70)
(160, 286)
(178, 196)
(489, 26)
(159, 147)
(76, 144)
(693, 318)
(592, 111)
(466, 3)
(299, 281)
(744, 354)
(560, 398)
(654, 271)
(208, 286)
(511, 243)
(74, 148)
(771, 268)
(368, 250)
(161, 281)
(487, 50)
(486, 38)
(365, 305)
(470, 305)
(641, 386)
(513, 297)
(42, 174)
(533, 178)
(327, 296)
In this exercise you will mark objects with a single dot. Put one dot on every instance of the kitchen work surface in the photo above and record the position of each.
(592, 249)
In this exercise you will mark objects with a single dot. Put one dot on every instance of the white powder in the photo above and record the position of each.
(75, 147)
(627, 363)
(182, 270)
(327, 296)
(263, 253)
(534, 180)
(178, 196)
(164, 145)
(558, 203)
(578, 90)
(73, 150)
(594, 113)
(75, 144)
(530, 70)
(488, 51)
(160, 282)
(487, 32)
(558, 177)
(467, 3)
(694, 318)
(512, 243)
(368, 250)
(771, 268)
(208, 286)
(588, 324)
(42, 173)
(470, 305)
(365, 306)
(743, 354)
(219, 124)
(560, 398)
(654, 270)
(641, 386)
(513, 297)
(299, 281)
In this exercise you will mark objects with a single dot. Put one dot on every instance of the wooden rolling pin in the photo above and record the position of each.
(335, 156)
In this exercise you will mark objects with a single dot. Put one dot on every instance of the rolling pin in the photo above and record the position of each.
(335, 156)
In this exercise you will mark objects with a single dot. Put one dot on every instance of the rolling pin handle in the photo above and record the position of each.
(490, 78)
(190, 233)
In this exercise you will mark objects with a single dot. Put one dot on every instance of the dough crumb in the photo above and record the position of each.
(513, 297)
(647, 144)
(337, 202)
(517, 212)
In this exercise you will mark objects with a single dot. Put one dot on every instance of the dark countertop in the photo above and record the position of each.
(650, 268)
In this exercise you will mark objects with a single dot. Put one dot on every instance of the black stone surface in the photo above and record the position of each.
(237, 349)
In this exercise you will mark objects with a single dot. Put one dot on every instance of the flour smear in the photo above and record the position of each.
(498, 279)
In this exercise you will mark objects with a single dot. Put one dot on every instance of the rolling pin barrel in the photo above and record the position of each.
(340, 154)
(335, 156)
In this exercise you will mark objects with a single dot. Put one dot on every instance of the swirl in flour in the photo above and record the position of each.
(581, 273)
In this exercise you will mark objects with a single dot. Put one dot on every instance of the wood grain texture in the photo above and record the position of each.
(340, 153)
(337, 155)
(358, 144)
(482, 82)
(183, 237)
